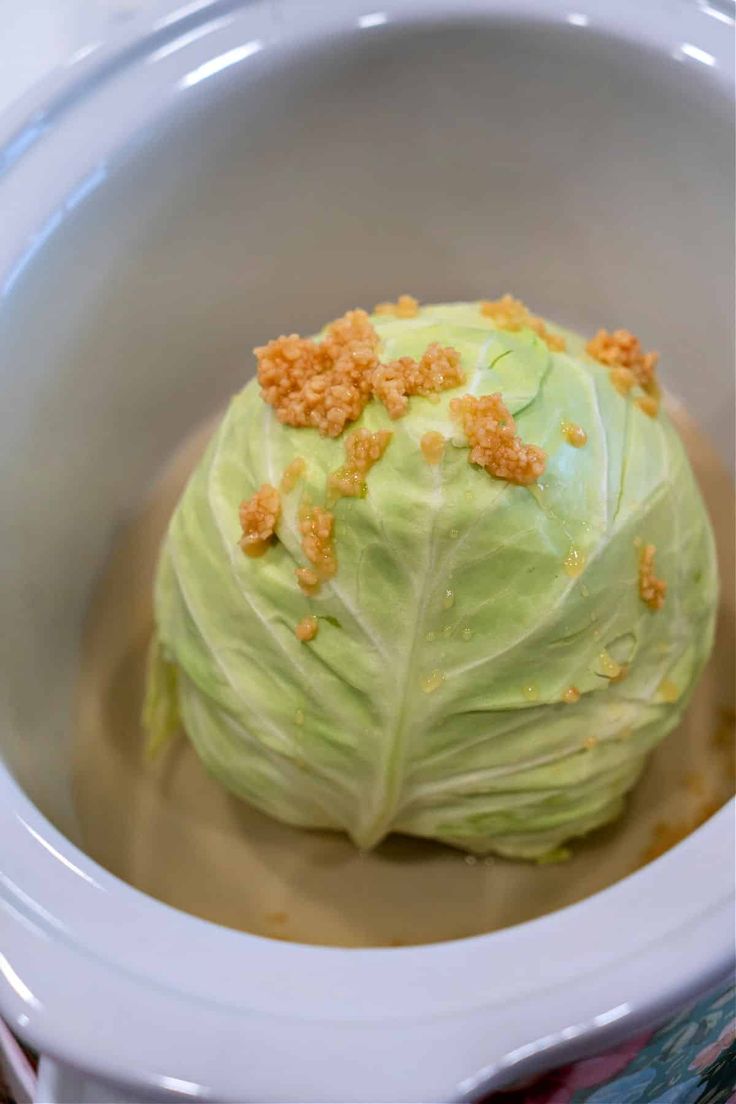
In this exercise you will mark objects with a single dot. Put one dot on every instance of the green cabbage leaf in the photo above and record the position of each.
(431, 702)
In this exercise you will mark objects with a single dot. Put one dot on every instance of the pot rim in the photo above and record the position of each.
(441, 1020)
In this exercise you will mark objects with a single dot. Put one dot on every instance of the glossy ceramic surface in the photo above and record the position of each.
(471, 164)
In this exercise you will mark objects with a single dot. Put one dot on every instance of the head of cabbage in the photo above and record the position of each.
(485, 671)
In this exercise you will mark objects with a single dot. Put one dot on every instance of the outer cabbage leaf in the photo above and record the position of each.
(431, 701)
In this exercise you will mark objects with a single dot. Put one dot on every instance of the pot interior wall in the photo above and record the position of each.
(458, 161)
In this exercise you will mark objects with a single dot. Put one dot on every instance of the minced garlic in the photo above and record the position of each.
(649, 405)
(258, 517)
(652, 590)
(327, 384)
(511, 314)
(306, 629)
(316, 525)
(629, 365)
(363, 449)
(308, 579)
(292, 473)
(575, 435)
(432, 445)
(324, 385)
(405, 307)
(494, 445)
(437, 370)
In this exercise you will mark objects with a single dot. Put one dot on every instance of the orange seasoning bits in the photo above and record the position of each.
(629, 365)
(649, 404)
(324, 385)
(406, 306)
(511, 314)
(390, 385)
(306, 629)
(494, 445)
(575, 435)
(652, 590)
(308, 580)
(432, 445)
(293, 473)
(363, 449)
(438, 370)
(316, 525)
(258, 517)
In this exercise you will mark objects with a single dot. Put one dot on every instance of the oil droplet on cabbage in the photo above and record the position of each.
(432, 682)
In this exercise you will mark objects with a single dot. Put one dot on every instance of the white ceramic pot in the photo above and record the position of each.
(582, 151)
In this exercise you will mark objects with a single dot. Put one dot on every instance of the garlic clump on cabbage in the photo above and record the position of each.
(432, 576)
